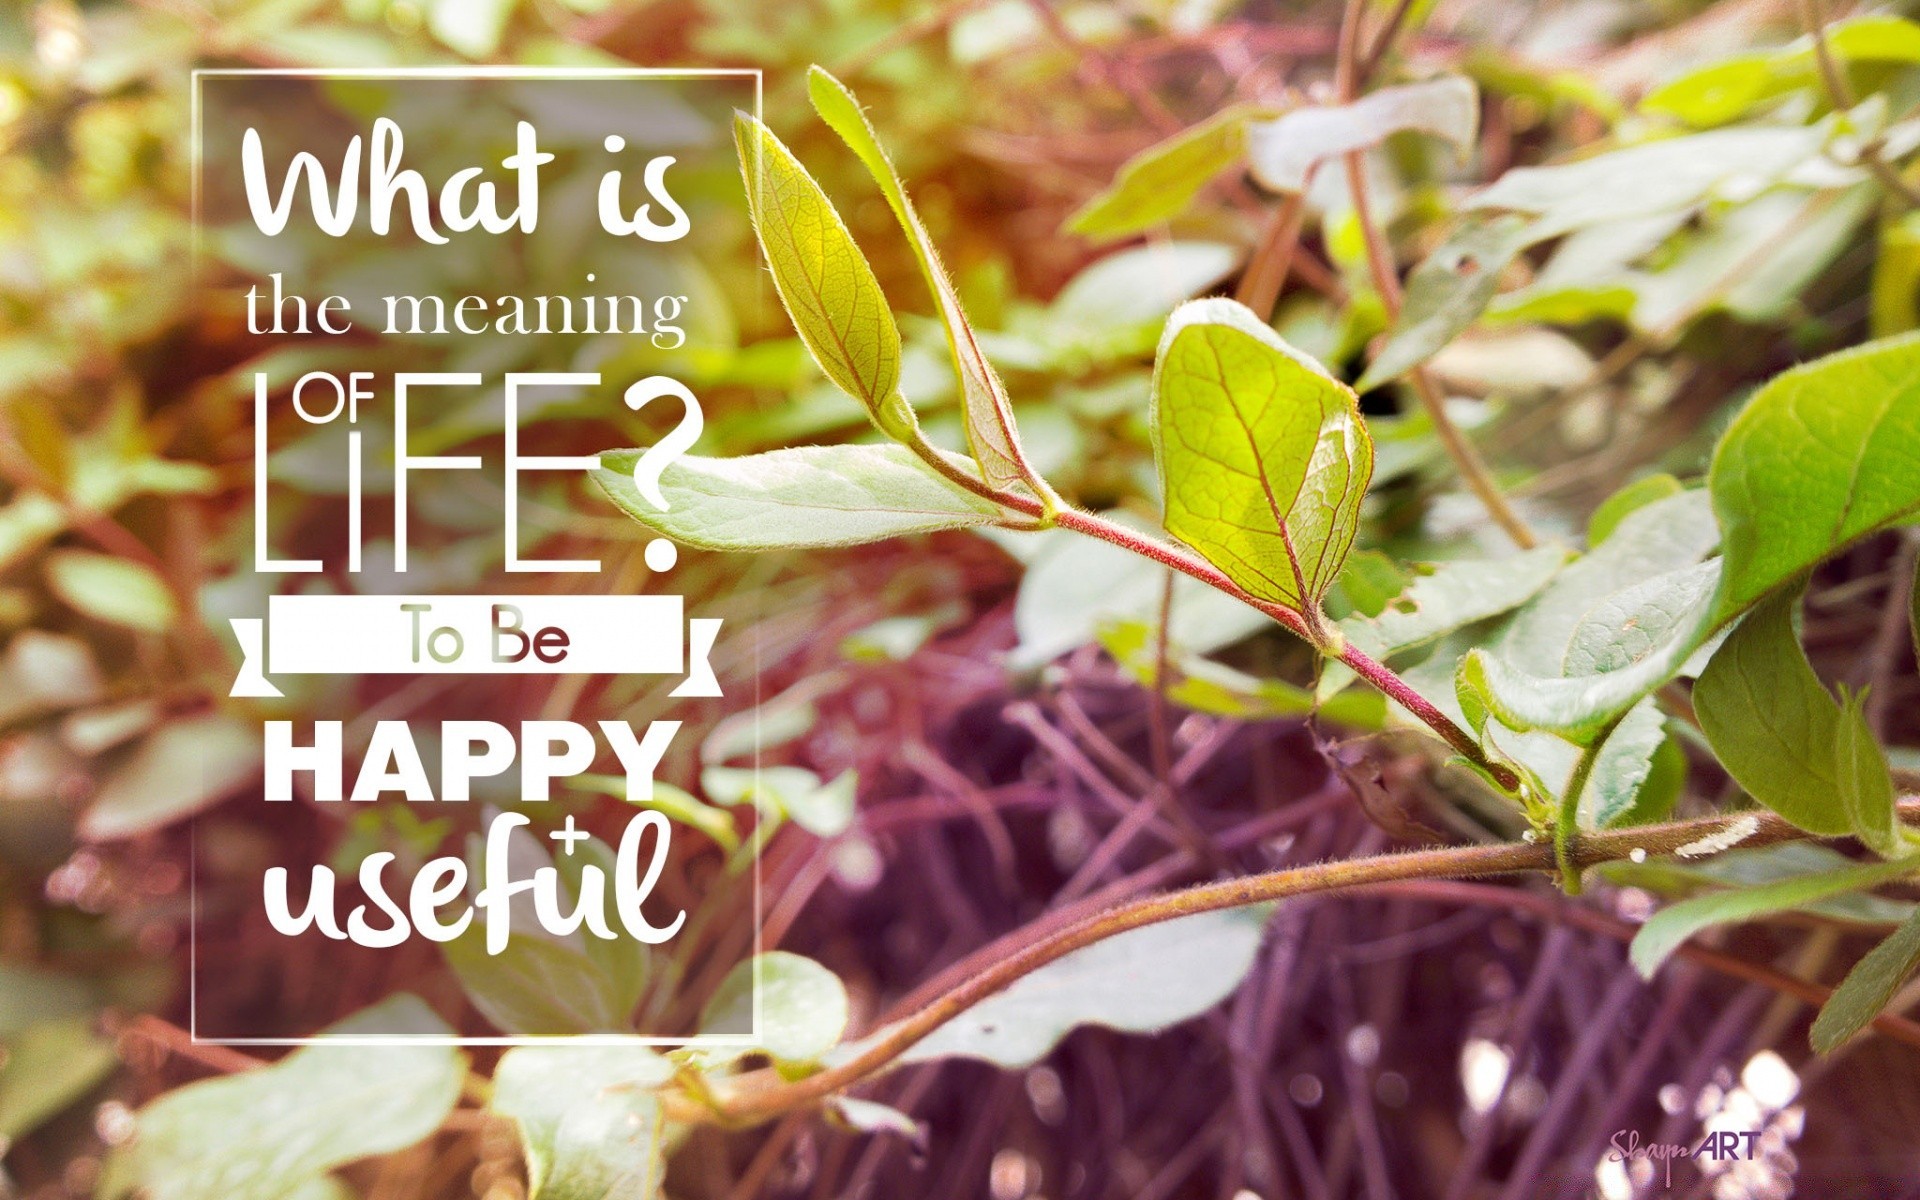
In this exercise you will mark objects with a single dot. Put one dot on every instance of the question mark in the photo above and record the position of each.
(655, 459)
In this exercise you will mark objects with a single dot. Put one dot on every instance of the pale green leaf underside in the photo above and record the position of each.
(589, 1122)
(801, 1006)
(1674, 924)
(265, 1134)
(1822, 455)
(1451, 596)
(1284, 152)
(1648, 178)
(806, 496)
(823, 279)
(1137, 982)
(1263, 456)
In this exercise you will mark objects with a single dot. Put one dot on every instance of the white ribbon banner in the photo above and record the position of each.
(474, 635)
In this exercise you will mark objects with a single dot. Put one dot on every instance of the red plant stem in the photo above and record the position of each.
(760, 1095)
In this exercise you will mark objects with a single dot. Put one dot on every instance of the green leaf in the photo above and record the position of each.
(1580, 654)
(1447, 597)
(1763, 865)
(1667, 929)
(1138, 286)
(1721, 91)
(624, 964)
(1652, 177)
(1160, 182)
(35, 996)
(179, 770)
(112, 589)
(802, 1006)
(1824, 454)
(47, 1068)
(678, 804)
(1782, 737)
(790, 499)
(1263, 457)
(1868, 988)
(823, 279)
(822, 809)
(1284, 152)
(1895, 291)
(1140, 981)
(1447, 293)
(265, 1134)
(537, 986)
(589, 1119)
(991, 434)
(1638, 494)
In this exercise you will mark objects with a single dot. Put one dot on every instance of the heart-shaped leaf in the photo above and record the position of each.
(1263, 456)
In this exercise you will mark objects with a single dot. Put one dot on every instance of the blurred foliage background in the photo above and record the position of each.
(984, 692)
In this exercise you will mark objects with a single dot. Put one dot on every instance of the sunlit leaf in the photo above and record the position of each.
(112, 589)
(48, 1067)
(177, 771)
(822, 277)
(791, 1007)
(990, 428)
(589, 1120)
(1263, 456)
